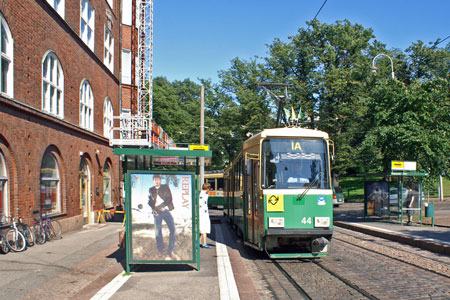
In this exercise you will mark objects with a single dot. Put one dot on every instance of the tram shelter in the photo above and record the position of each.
(161, 203)
(388, 197)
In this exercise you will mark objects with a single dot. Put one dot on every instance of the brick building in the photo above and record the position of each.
(59, 90)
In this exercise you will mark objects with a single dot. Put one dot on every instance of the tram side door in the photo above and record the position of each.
(251, 191)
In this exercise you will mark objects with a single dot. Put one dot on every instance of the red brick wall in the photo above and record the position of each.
(26, 132)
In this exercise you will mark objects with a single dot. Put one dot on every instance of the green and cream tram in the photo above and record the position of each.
(278, 192)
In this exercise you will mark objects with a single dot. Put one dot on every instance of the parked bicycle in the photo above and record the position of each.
(46, 229)
(14, 238)
(3, 245)
(25, 229)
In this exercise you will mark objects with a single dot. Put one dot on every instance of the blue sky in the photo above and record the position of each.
(197, 38)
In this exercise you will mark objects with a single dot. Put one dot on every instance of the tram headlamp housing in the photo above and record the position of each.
(322, 222)
(276, 222)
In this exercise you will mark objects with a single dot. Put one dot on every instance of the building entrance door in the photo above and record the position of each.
(85, 191)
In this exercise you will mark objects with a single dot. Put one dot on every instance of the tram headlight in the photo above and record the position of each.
(322, 222)
(276, 222)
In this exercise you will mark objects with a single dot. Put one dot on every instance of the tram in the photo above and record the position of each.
(216, 193)
(278, 193)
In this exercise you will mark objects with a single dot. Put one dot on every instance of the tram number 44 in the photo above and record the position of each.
(306, 220)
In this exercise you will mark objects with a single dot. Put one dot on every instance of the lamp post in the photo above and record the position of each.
(374, 69)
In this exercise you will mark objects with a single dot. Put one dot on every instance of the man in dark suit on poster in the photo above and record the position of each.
(160, 200)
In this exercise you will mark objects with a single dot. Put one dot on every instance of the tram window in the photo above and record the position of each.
(295, 163)
(212, 182)
(220, 184)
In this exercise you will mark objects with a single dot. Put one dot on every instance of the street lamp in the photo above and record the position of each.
(374, 69)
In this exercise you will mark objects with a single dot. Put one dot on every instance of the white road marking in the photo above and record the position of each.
(108, 290)
(227, 284)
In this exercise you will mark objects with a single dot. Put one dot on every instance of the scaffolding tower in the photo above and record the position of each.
(138, 128)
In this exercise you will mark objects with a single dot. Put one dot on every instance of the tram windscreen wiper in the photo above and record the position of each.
(316, 179)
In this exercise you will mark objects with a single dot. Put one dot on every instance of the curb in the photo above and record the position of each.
(398, 237)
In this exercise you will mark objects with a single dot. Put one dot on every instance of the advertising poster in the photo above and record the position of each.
(161, 216)
(377, 197)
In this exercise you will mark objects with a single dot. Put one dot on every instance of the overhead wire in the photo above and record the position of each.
(318, 12)
(437, 43)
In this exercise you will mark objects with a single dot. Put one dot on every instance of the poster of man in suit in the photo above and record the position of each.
(161, 216)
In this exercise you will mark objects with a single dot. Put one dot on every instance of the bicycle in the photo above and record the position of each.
(3, 245)
(46, 229)
(14, 238)
(27, 232)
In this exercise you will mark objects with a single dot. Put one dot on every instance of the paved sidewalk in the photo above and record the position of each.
(436, 239)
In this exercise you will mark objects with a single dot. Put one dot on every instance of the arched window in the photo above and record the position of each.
(107, 117)
(52, 85)
(50, 185)
(86, 106)
(6, 59)
(107, 185)
(59, 6)
(3, 190)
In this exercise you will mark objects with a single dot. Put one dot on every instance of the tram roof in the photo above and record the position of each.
(292, 132)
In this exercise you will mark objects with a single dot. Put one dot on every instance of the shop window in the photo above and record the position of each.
(50, 185)
(107, 186)
(3, 190)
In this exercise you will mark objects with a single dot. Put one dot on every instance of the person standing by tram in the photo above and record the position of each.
(205, 223)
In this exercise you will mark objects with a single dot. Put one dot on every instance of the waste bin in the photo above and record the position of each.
(429, 210)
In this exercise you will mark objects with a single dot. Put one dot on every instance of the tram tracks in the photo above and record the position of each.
(334, 280)
(434, 265)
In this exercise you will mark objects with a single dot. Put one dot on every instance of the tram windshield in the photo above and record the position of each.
(294, 163)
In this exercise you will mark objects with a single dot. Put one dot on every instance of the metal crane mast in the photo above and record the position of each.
(144, 19)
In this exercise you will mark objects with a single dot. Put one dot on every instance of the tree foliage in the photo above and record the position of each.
(372, 118)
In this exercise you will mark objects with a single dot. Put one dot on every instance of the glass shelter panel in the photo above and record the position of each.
(294, 163)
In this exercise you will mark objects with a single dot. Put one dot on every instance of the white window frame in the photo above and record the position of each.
(127, 7)
(108, 56)
(59, 6)
(86, 106)
(52, 85)
(4, 185)
(6, 57)
(126, 66)
(87, 23)
(107, 117)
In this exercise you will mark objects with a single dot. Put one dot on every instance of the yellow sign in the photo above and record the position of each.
(295, 146)
(275, 203)
(397, 165)
(199, 147)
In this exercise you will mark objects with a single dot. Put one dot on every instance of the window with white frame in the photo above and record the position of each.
(50, 184)
(52, 85)
(59, 6)
(3, 190)
(6, 59)
(87, 23)
(86, 106)
(127, 6)
(126, 66)
(107, 117)
(109, 50)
